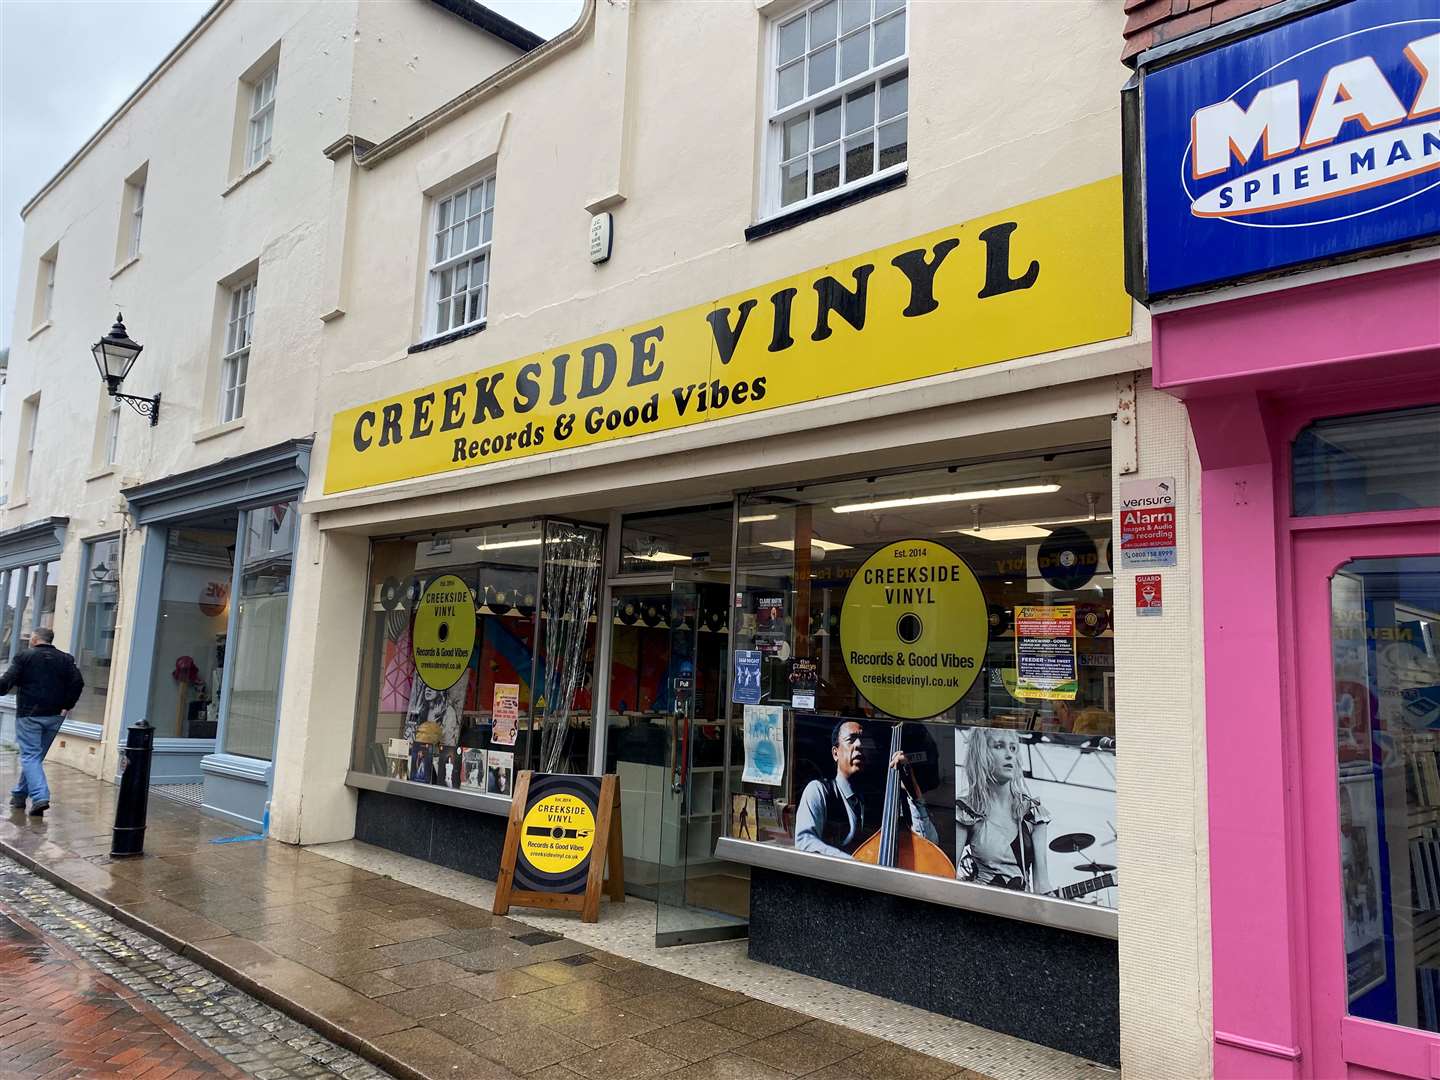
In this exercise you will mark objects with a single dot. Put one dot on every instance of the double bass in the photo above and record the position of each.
(894, 845)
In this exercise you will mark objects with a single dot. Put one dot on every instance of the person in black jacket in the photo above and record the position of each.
(47, 685)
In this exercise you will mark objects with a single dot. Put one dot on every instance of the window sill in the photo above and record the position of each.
(789, 219)
(100, 474)
(18, 503)
(445, 339)
(246, 175)
(206, 434)
(131, 261)
(37, 331)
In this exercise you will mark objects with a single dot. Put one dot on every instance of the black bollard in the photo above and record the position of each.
(130, 807)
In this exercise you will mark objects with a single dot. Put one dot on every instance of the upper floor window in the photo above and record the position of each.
(45, 286)
(262, 116)
(25, 459)
(132, 216)
(112, 432)
(137, 217)
(460, 258)
(838, 99)
(235, 362)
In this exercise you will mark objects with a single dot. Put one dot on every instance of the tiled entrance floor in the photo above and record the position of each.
(402, 962)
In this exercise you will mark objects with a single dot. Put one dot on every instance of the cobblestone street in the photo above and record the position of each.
(82, 995)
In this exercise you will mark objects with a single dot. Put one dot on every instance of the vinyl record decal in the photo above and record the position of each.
(999, 619)
(392, 591)
(1090, 620)
(1068, 559)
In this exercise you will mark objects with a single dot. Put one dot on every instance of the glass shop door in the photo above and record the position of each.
(669, 742)
(1368, 643)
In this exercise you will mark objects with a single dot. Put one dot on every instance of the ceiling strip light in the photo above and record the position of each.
(948, 497)
(533, 541)
(823, 545)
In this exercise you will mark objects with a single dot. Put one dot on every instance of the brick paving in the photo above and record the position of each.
(83, 996)
(424, 985)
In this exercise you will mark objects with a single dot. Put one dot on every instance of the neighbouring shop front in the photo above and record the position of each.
(29, 582)
(207, 653)
(1315, 407)
(864, 713)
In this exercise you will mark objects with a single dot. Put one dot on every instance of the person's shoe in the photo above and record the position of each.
(39, 808)
(17, 802)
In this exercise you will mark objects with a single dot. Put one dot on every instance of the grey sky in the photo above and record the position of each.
(66, 65)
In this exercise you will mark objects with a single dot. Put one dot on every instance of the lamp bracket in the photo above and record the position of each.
(145, 406)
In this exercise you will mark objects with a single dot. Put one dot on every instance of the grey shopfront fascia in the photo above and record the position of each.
(38, 544)
(235, 787)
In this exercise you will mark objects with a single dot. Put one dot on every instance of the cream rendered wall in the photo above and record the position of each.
(199, 229)
(655, 111)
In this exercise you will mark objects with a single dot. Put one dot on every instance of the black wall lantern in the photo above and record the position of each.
(115, 354)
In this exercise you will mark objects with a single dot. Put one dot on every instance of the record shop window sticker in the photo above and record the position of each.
(913, 629)
(443, 637)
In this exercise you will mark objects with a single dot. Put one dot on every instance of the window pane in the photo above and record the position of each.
(894, 94)
(792, 84)
(822, 24)
(793, 181)
(259, 651)
(792, 40)
(853, 13)
(477, 199)
(95, 643)
(827, 169)
(859, 157)
(822, 69)
(890, 38)
(185, 688)
(490, 194)
(442, 316)
(884, 7)
(855, 54)
(447, 282)
(859, 110)
(487, 220)
(1385, 660)
(1373, 461)
(472, 233)
(444, 215)
(795, 138)
(457, 238)
(827, 123)
(893, 143)
(440, 254)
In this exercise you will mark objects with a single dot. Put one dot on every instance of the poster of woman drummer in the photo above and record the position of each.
(1035, 812)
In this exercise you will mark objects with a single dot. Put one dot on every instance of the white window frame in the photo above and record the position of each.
(261, 128)
(777, 116)
(445, 261)
(47, 285)
(235, 359)
(137, 216)
(112, 432)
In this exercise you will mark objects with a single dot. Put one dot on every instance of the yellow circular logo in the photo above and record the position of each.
(557, 834)
(913, 629)
(444, 633)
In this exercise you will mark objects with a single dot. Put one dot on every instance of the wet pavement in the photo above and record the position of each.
(82, 995)
(419, 983)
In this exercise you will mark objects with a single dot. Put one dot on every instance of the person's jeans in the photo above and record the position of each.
(35, 734)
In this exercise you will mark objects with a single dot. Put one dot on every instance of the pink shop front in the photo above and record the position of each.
(1302, 332)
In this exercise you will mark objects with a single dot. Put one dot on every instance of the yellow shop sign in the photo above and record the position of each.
(1038, 277)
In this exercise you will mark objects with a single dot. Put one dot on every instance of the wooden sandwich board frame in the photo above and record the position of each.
(608, 852)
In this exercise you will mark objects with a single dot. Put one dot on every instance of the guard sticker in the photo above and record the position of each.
(444, 633)
(557, 834)
(913, 629)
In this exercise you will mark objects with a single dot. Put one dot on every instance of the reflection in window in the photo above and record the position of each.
(260, 619)
(95, 640)
(1374, 461)
(1385, 645)
(1012, 785)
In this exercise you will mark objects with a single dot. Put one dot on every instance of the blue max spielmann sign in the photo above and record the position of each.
(1317, 138)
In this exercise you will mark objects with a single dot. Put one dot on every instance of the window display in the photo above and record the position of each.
(924, 667)
(455, 691)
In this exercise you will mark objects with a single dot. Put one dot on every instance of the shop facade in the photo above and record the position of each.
(1302, 332)
(642, 496)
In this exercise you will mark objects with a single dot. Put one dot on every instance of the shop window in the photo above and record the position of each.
(94, 642)
(839, 99)
(693, 537)
(1385, 641)
(28, 594)
(923, 666)
(263, 606)
(188, 669)
(1372, 461)
(464, 679)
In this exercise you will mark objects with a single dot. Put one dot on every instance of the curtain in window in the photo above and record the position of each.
(572, 576)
